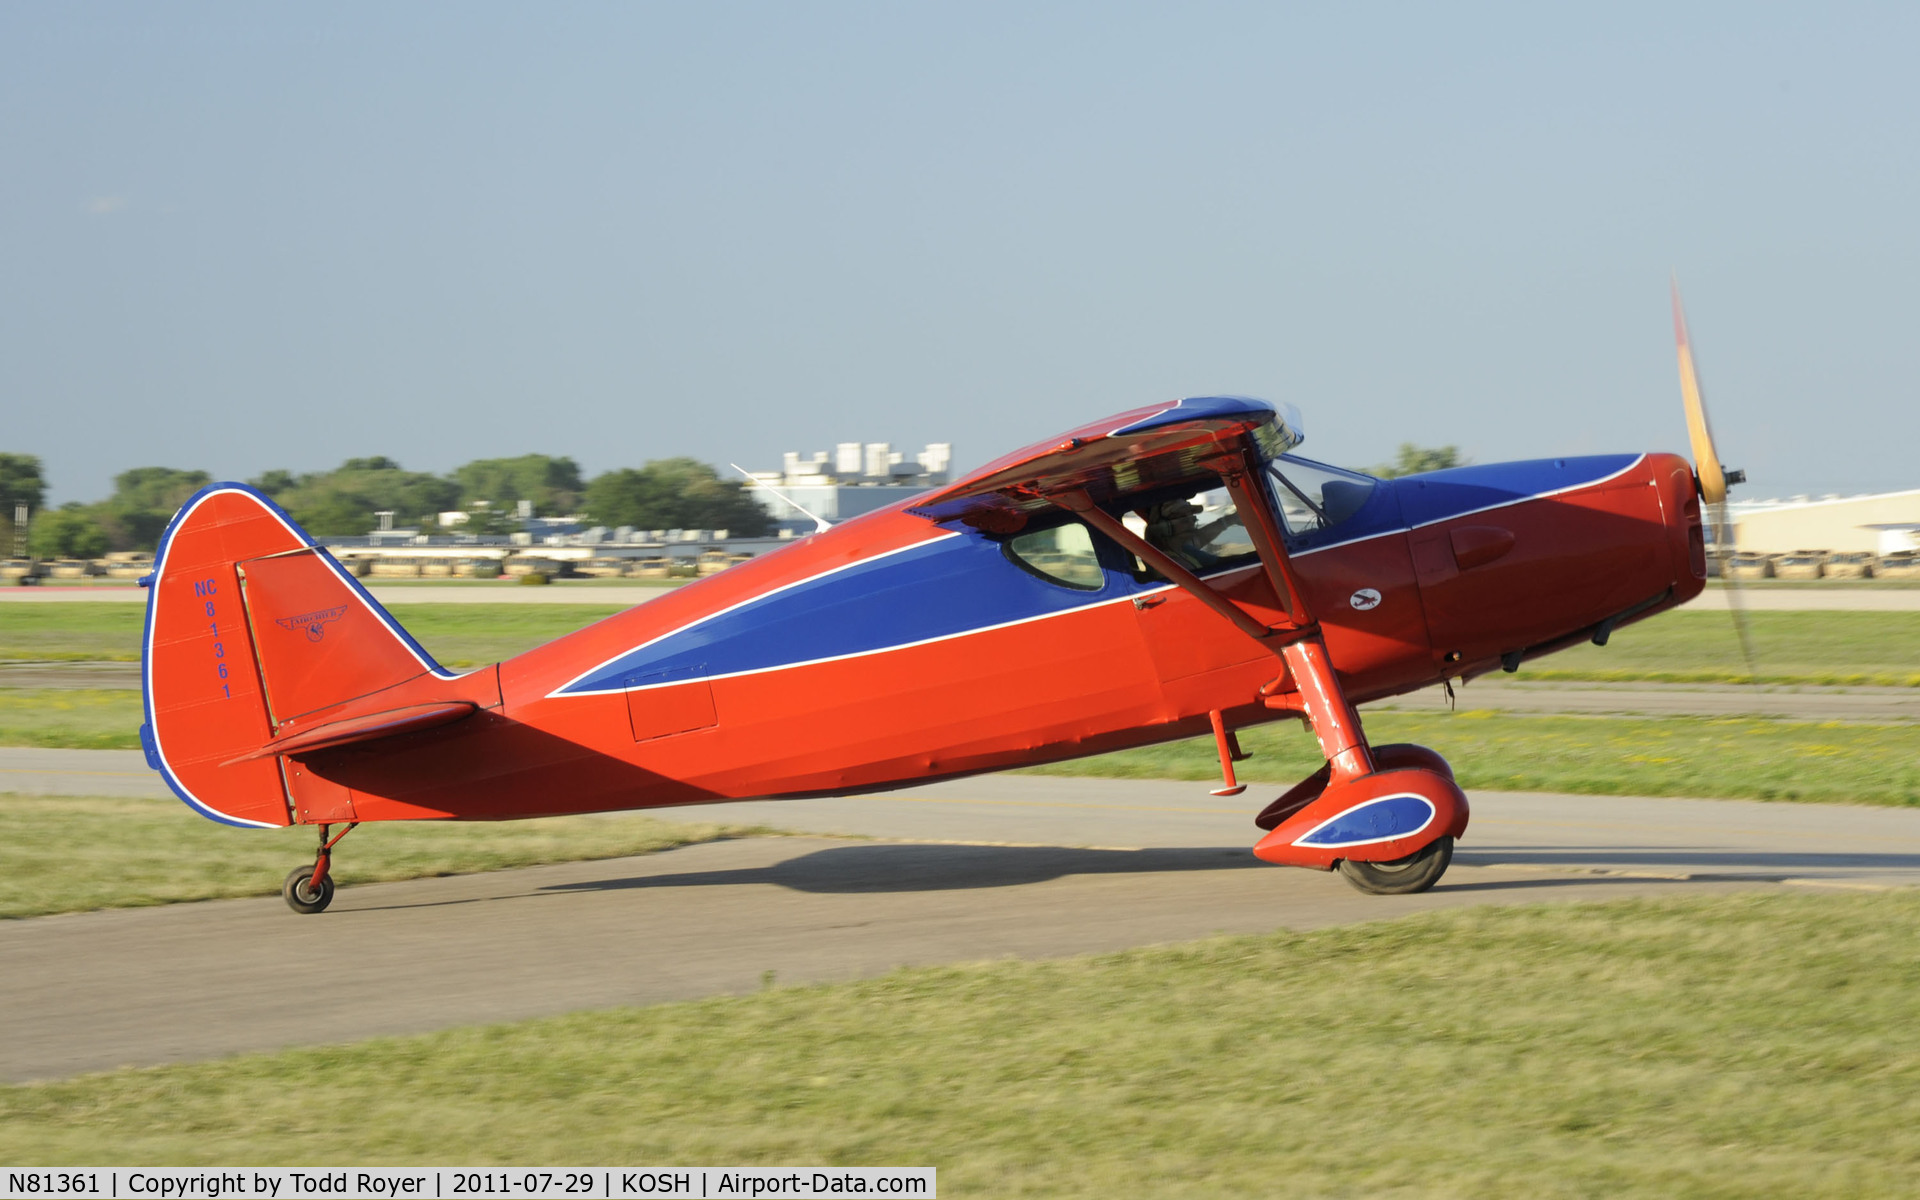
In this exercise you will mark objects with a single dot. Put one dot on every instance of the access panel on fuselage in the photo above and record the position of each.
(668, 708)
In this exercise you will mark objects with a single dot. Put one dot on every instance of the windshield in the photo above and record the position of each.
(1314, 496)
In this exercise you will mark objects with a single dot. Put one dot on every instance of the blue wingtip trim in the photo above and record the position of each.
(1201, 408)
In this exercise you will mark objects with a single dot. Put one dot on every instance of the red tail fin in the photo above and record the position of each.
(250, 627)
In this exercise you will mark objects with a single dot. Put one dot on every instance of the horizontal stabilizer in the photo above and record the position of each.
(368, 728)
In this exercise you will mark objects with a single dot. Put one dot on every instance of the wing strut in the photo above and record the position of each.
(1082, 506)
(1257, 517)
(1298, 644)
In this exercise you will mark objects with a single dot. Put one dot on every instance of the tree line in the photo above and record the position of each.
(669, 493)
(1417, 460)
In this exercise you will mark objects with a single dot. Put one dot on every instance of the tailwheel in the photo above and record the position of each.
(1403, 876)
(310, 889)
(302, 896)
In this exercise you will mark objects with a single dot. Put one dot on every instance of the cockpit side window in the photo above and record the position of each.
(1314, 496)
(1063, 554)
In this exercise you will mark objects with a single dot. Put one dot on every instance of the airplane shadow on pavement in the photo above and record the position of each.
(921, 867)
(1576, 857)
(917, 867)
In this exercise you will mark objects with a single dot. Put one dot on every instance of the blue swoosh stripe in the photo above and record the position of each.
(949, 586)
(963, 584)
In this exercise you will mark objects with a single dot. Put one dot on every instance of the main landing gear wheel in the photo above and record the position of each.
(1403, 876)
(302, 896)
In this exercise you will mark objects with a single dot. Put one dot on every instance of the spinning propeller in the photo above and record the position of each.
(1712, 477)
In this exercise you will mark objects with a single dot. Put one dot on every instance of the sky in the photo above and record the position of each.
(239, 237)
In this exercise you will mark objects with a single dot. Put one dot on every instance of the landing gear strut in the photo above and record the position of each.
(310, 889)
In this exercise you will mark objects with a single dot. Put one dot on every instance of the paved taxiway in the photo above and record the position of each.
(971, 869)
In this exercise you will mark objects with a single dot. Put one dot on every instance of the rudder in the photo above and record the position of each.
(251, 626)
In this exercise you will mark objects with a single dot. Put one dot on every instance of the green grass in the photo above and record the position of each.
(1843, 648)
(1728, 757)
(469, 635)
(83, 630)
(1744, 1045)
(458, 635)
(71, 718)
(1732, 757)
(66, 853)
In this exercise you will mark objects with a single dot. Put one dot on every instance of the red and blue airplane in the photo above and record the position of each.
(1164, 573)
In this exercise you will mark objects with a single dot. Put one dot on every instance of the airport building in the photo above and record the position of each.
(1884, 524)
(856, 478)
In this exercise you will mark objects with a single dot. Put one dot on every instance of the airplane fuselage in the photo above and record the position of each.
(890, 649)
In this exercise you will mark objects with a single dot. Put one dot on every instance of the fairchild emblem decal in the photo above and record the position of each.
(315, 623)
(1365, 599)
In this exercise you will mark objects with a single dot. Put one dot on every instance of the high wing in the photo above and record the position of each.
(1133, 452)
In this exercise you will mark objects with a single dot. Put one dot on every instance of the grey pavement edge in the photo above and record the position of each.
(991, 867)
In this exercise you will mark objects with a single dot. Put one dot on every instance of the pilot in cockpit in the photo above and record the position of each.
(1174, 527)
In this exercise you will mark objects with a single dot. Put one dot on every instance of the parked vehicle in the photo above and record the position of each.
(1904, 564)
(1855, 564)
(1801, 564)
(1750, 566)
(522, 565)
(127, 564)
(658, 566)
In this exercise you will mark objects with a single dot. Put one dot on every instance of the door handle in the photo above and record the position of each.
(1146, 602)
